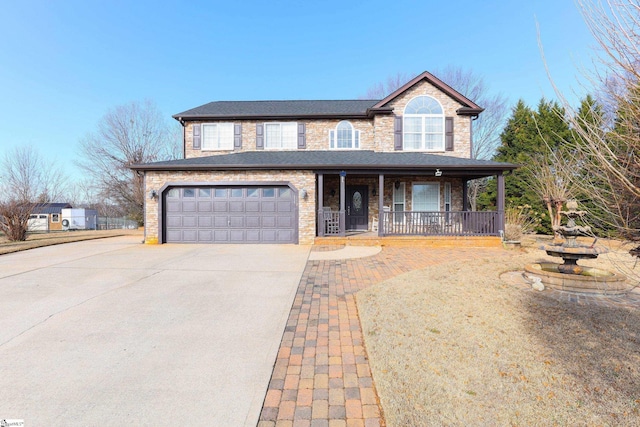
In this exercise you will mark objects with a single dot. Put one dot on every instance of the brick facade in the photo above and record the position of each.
(376, 134)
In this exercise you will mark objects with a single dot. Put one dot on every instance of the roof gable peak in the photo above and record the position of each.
(469, 107)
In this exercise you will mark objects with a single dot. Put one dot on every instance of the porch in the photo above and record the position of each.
(375, 207)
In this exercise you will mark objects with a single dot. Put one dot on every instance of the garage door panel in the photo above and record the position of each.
(269, 221)
(221, 221)
(205, 206)
(221, 235)
(252, 221)
(174, 221)
(236, 206)
(236, 221)
(220, 206)
(233, 214)
(188, 206)
(269, 236)
(285, 206)
(190, 221)
(236, 236)
(190, 235)
(284, 222)
(268, 206)
(205, 221)
(205, 236)
(252, 206)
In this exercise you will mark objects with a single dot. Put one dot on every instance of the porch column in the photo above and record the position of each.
(500, 201)
(320, 223)
(381, 205)
(343, 190)
(465, 195)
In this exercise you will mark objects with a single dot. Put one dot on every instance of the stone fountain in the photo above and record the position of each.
(569, 276)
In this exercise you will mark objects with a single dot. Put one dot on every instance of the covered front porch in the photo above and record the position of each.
(360, 205)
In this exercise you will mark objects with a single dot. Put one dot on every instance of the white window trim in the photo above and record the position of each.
(280, 147)
(423, 133)
(227, 146)
(54, 216)
(437, 184)
(355, 137)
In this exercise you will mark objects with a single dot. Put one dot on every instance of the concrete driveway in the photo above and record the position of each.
(114, 332)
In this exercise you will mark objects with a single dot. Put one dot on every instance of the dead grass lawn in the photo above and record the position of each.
(454, 345)
(37, 240)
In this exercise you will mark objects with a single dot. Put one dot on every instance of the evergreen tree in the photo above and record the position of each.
(527, 135)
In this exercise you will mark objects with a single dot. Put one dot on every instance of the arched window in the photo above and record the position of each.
(344, 136)
(423, 126)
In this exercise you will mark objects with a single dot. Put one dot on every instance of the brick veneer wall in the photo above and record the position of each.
(155, 180)
(375, 134)
(461, 124)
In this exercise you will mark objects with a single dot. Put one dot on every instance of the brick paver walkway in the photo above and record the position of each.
(322, 376)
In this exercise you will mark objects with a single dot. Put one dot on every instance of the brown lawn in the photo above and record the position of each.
(456, 345)
(36, 240)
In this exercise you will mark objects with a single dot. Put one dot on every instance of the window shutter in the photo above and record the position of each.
(448, 133)
(331, 139)
(237, 136)
(196, 136)
(259, 136)
(397, 133)
(302, 138)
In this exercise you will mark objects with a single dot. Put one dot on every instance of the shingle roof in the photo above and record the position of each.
(49, 208)
(330, 160)
(289, 109)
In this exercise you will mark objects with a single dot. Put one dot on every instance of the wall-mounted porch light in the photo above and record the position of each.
(438, 172)
(153, 194)
(303, 193)
(397, 185)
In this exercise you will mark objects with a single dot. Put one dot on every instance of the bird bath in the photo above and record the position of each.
(569, 276)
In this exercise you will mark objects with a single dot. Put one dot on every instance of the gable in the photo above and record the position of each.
(428, 84)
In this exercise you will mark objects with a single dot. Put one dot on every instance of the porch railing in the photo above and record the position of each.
(331, 221)
(459, 223)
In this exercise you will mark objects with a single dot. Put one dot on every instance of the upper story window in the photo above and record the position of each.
(281, 135)
(344, 136)
(217, 136)
(423, 127)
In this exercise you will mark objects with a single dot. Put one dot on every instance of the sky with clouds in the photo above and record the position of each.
(65, 63)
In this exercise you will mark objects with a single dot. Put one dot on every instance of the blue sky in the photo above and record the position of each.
(64, 64)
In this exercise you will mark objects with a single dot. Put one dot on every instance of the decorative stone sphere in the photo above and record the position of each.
(572, 205)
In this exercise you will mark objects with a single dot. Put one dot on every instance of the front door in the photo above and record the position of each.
(357, 204)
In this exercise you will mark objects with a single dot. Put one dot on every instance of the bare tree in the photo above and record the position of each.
(551, 176)
(26, 179)
(609, 150)
(126, 135)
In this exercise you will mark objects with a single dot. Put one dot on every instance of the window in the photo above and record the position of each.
(55, 217)
(344, 136)
(398, 201)
(280, 135)
(423, 127)
(218, 136)
(425, 197)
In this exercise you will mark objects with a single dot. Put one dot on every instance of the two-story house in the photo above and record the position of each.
(289, 171)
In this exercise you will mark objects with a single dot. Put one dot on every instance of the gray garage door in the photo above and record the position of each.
(230, 215)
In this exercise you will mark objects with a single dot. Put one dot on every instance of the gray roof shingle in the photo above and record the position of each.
(328, 160)
(289, 109)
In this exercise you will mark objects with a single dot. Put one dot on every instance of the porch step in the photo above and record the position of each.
(414, 241)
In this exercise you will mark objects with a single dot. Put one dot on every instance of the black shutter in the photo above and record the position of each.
(397, 133)
(302, 138)
(237, 136)
(196, 136)
(259, 136)
(448, 133)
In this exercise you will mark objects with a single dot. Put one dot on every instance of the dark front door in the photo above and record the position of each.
(357, 203)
